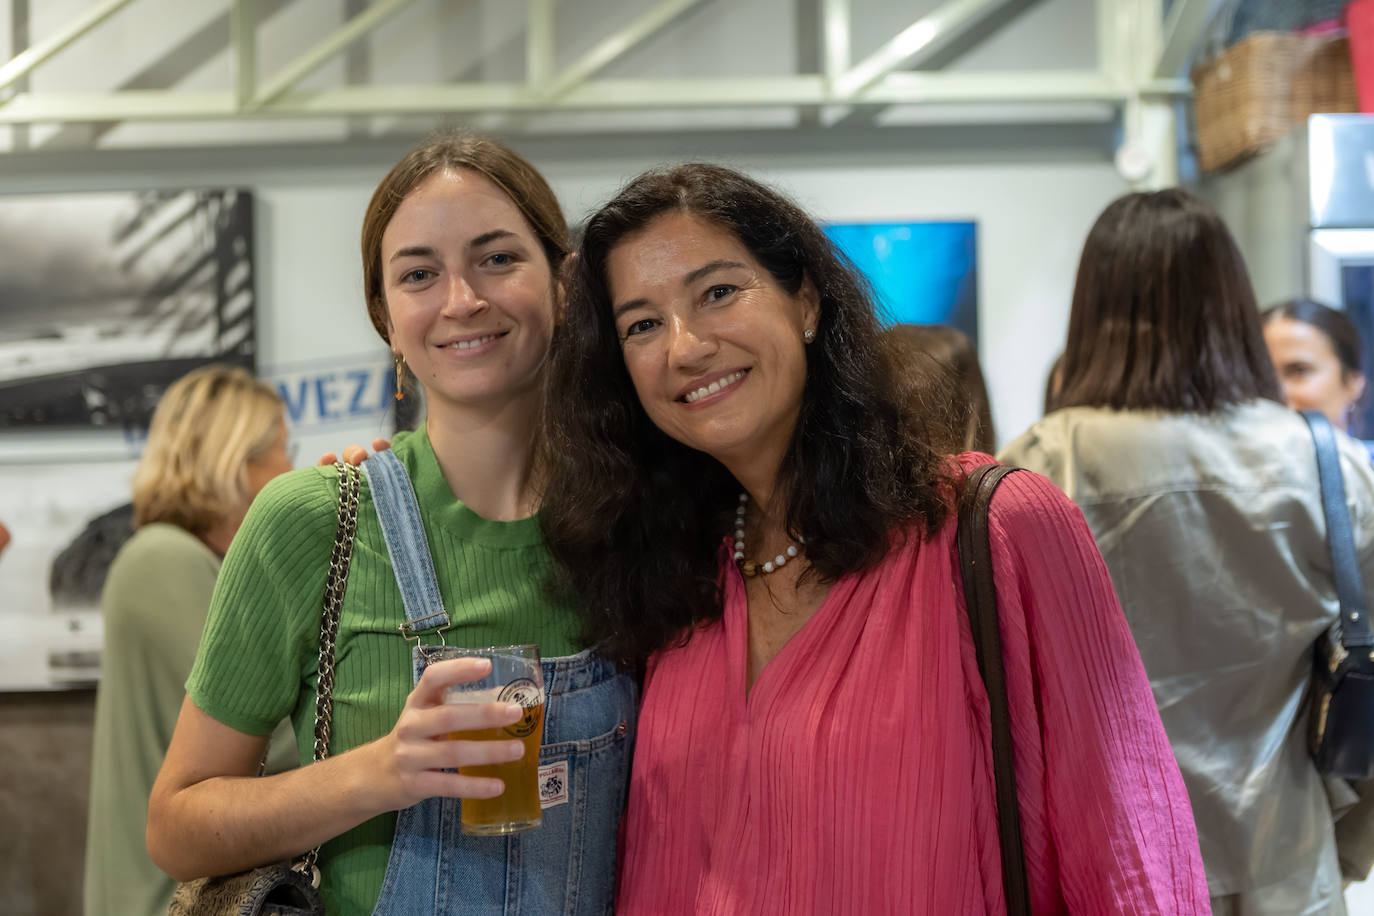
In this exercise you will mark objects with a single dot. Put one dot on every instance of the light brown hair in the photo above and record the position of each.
(209, 424)
(497, 162)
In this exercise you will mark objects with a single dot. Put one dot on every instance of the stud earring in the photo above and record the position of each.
(809, 335)
(400, 367)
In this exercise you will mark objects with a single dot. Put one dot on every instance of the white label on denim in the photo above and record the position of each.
(553, 784)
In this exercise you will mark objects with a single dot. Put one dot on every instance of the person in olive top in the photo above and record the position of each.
(217, 436)
(461, 245)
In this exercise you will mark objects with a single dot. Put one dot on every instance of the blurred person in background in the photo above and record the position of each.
(1316, 353)
(1202, 492)
(218, 435)
(942, 355)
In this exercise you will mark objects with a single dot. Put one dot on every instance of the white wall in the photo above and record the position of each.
(1033, 191)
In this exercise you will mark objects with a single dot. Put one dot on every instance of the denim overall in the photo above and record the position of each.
(567, 865)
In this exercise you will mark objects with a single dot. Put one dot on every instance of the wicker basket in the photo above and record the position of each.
(1257, 89)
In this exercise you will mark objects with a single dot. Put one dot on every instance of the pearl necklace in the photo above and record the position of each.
(749, 567)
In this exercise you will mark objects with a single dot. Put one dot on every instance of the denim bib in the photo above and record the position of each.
(566, 865)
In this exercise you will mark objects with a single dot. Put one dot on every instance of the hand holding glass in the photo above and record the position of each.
(516, 676)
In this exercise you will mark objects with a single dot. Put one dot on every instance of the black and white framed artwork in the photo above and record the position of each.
(106, 298)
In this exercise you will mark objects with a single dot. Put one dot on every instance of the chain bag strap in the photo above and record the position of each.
(290, 889)
(980, 600)
(349, 486)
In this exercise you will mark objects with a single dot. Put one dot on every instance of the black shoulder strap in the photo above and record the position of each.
(1349, 585)
(980, 597)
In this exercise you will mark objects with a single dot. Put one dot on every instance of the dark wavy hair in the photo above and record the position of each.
(1163, 314)
(634, 517)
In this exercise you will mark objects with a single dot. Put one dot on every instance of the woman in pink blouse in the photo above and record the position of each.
(738, 496)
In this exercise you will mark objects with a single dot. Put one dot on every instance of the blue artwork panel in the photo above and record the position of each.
(921, 272)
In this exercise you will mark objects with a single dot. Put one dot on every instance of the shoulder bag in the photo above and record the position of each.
(289, 888)
(980, 598)
(1341, 700)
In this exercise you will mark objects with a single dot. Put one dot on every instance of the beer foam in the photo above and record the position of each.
(462, 693)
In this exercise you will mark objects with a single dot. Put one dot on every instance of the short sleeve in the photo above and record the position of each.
(258, 650)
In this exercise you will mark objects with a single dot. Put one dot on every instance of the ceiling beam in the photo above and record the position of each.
(19, 66)
(1131, 72)
(326, 50)
(243, 42)
(616, 45)
(600, 95)
(836, 41)
(1183, 31)
(539, 46)
(921, 39)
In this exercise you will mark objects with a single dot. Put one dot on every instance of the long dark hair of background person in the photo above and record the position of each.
(939, 369)
(640, 547)
(1171, 258)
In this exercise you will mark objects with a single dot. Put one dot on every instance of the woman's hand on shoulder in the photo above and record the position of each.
(354, 454)
(412, 759)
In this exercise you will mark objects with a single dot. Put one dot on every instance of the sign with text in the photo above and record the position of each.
(348, 389)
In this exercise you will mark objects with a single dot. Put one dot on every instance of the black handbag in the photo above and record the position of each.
(980, 599)
(289, 888)
(1341, 698)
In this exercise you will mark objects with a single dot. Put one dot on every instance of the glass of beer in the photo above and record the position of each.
(516, 677)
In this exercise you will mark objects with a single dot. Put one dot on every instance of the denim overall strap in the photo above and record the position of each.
(567, 866)
(404, 531)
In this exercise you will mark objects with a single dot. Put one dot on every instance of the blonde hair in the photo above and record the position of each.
(209, 424)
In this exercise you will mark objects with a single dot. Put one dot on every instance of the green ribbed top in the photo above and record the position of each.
(256, 662)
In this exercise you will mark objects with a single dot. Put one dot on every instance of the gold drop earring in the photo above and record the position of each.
(400, 367)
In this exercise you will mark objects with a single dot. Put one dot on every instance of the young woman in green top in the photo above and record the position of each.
(461, 245)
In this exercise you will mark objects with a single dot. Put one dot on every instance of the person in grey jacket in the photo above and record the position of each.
(1202, 492)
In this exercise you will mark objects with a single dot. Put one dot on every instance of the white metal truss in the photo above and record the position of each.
(1141, 52)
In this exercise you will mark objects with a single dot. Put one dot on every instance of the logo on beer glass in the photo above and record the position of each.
(527, 693)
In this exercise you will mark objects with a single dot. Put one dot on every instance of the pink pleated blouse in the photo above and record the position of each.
(855, 777)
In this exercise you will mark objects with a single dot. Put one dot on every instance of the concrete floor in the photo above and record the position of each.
(45, 775)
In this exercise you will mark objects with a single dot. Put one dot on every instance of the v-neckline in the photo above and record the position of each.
(737, 638)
